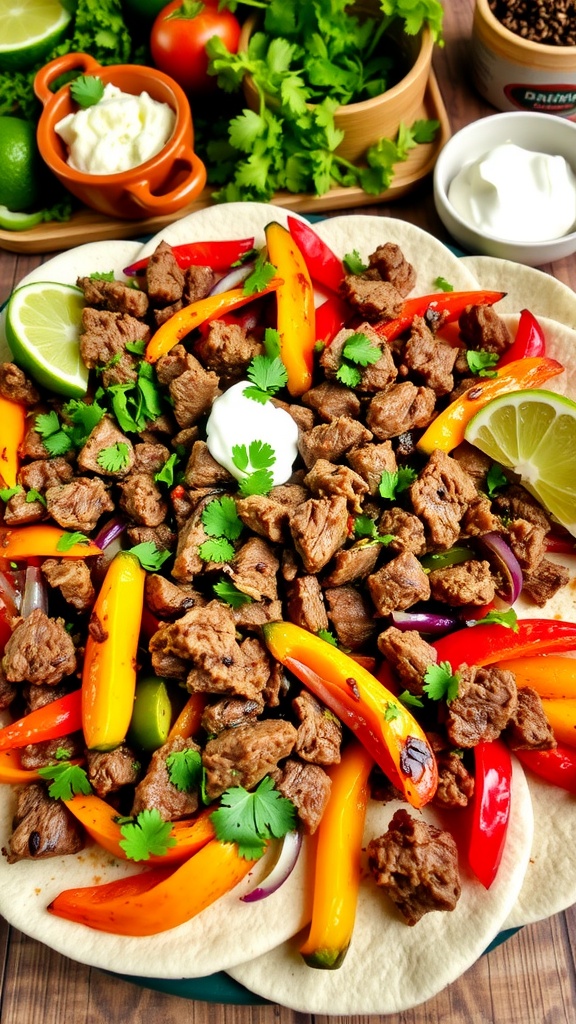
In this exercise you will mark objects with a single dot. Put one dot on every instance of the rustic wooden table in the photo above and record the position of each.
(530, 979)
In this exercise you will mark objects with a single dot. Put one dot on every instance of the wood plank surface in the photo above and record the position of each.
(530, 979)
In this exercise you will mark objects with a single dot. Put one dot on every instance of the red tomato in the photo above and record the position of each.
(177, 41)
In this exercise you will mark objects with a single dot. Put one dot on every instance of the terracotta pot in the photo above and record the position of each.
(366, 122)
(165, 183)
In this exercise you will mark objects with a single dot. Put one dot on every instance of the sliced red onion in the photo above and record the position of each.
(232, 279)
(9, 595)
(504, 561)
(109, 532)
(35, 591)
(282, 869)
(424, 622)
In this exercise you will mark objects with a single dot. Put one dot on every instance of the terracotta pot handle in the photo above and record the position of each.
(81, 62)
(166, 202)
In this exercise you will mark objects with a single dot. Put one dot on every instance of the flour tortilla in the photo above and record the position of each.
(391, 967)
(525, 287)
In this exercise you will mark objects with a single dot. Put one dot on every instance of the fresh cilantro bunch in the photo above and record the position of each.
(251, 819)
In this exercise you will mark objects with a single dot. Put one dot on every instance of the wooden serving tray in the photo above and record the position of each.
(88, 226)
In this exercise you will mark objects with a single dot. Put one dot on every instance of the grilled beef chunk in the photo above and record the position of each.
(417, 866)
(330, 401)
(8, 692)
(203, 471)
(164, 278)
(244, 755)
(228, 349)
(392, 265)
(162, 536)
(486, 702)
(332, 440)
(516, 503)
(193, 392)
(544, 581)
(373, 377)
(150, 457)
(399, 584)
(400, 408)
(408, 655)
(440, 497)
(469, 582)
(39, 651)
(43, 827)
(105, 435)
(351, 564)
(305, 605)
(49, 752)
(326, 479)
(142, 500)
(265, 516)
(371, 461)
(72, 578)
(79, 504)
(319, 733)
(528, 542)
(428, 358)
(156, 791)
(308, 787)
(114, 296)
(455, 783)
(473, 461)
(187, 562)
(372, 297)
(253, 570)
(351, 615)
(44, 473)
(198, 282)
(109, 770)
(319, 527)
(482, 328)
(406, 530)
(170, 600)
(20, 511)
(229, 713)
(16, 387)
(528, 728)
(103, 344)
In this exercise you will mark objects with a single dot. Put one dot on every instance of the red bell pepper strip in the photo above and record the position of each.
(490, 642)
(529, 340)
(374, 714)
(490, 809)
(13, 420)
(331, 316)
(560, 545)
(323, 265)
(220, 255)
(557, 766)
(449, 304)
(58, 718)
(296, 317)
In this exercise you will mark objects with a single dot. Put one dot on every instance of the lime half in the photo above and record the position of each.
(533, 433)
(30, 28)
(43, 321)
(18, 221)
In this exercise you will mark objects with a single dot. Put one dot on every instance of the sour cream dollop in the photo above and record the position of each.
(119, 132)
(516, 194)
(237, 420)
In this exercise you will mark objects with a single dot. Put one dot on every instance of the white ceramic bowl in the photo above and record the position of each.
(543, 133)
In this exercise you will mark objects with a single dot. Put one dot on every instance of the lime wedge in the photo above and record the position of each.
(30, 28)
(533, 433)
(11, 221)
(43, 321)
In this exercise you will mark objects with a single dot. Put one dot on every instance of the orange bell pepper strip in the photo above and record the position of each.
(561, 715)
(449, 305)
(337, 870)
(296, 319)
(20, 543)
(197, 313)
(551, 675)
(447, 430)
(101, 823)
(188, 721)
(196, 884)
(109, 672)
(378, 719)
(13, 420)
(11, 771)
(58, 718)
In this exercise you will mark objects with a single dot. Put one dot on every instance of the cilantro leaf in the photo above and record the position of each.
(34, 495)
(220, 518)
(443, 285)
(9, 492)
(84, 417)
(251, 819)
(166, 474)
(254, 460)
(360, 349)
(479, 362)
(392, 711)
(496, 479)
(185, 769)
(149, 556)
(136, 348)
(114, 458)
(348, 375)
(54, 438)
(260, 277)
(440, 682)
(329, 637)
(392, 484)
(228, 592)
(147, 835)
(68, 540)
(272, 342)
(259, 482)
(365, 527)
(353, 262)
(217, 549)
(410, 699)
(268, 375)
(68, 780)
(261, 455)
(507, 618)
(87, 90)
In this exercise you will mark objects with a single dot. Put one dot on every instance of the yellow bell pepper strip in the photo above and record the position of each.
(561, 715)
(551, 675)
(101, 823)
(489, 643)
(374, 714)
(296, 321)
(196, 884)
(11, 771)
(447, 430)
(189, 719)
(337, 870)
(449, 305)
(186, 319)
(13, 420)
(21, 543)
(109, 672)
(58, 718)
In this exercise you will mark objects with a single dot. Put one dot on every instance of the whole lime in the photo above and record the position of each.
(21, 164)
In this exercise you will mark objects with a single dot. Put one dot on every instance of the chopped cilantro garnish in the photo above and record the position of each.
(147, 835)
(329, 637)
(9, 492)
(149, 556)
(185, 769)
(440, 682)
(410, 699)
(443, 285)
(220, 518)
(114, 458)
(34, 495)
(228, 592)
(254, 460)
(358, 350)
(251, 819)
(137, 348)
(392, 484)
(260, 277)
(272, 342)
(87, 90)
(507, 618)
(353, 262)
(68, 780)
(268, 375)
(496, 479)
(68, 540)
(166, 474)
(365, 527)
(217, 549)
(54, 438)
(83, 417)
(480, 362)
(392, 711)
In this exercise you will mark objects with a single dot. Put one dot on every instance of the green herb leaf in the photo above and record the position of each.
(268, 375)
(443, 285)
(353, 262)
(392, 711)
(348, 375)
(251, 819)
(136, 348)
(440, 682)
(393, 484)
(360, 349)
(507, 618)
(272, 343)
(259, 482)
(87, 90)
(68, 780)
(114, 458)
(54, 438)
(410, 699)
(220, 518)
(166, 474)
(365, 528)
(34, 495)
(479, 362)
(68, 540)
(217, 549)
(185, 769)
(9, 492)
(328, 636)
(260, 277)
(228, 592)
(147, 835)
(149, 556)
(84, 417)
